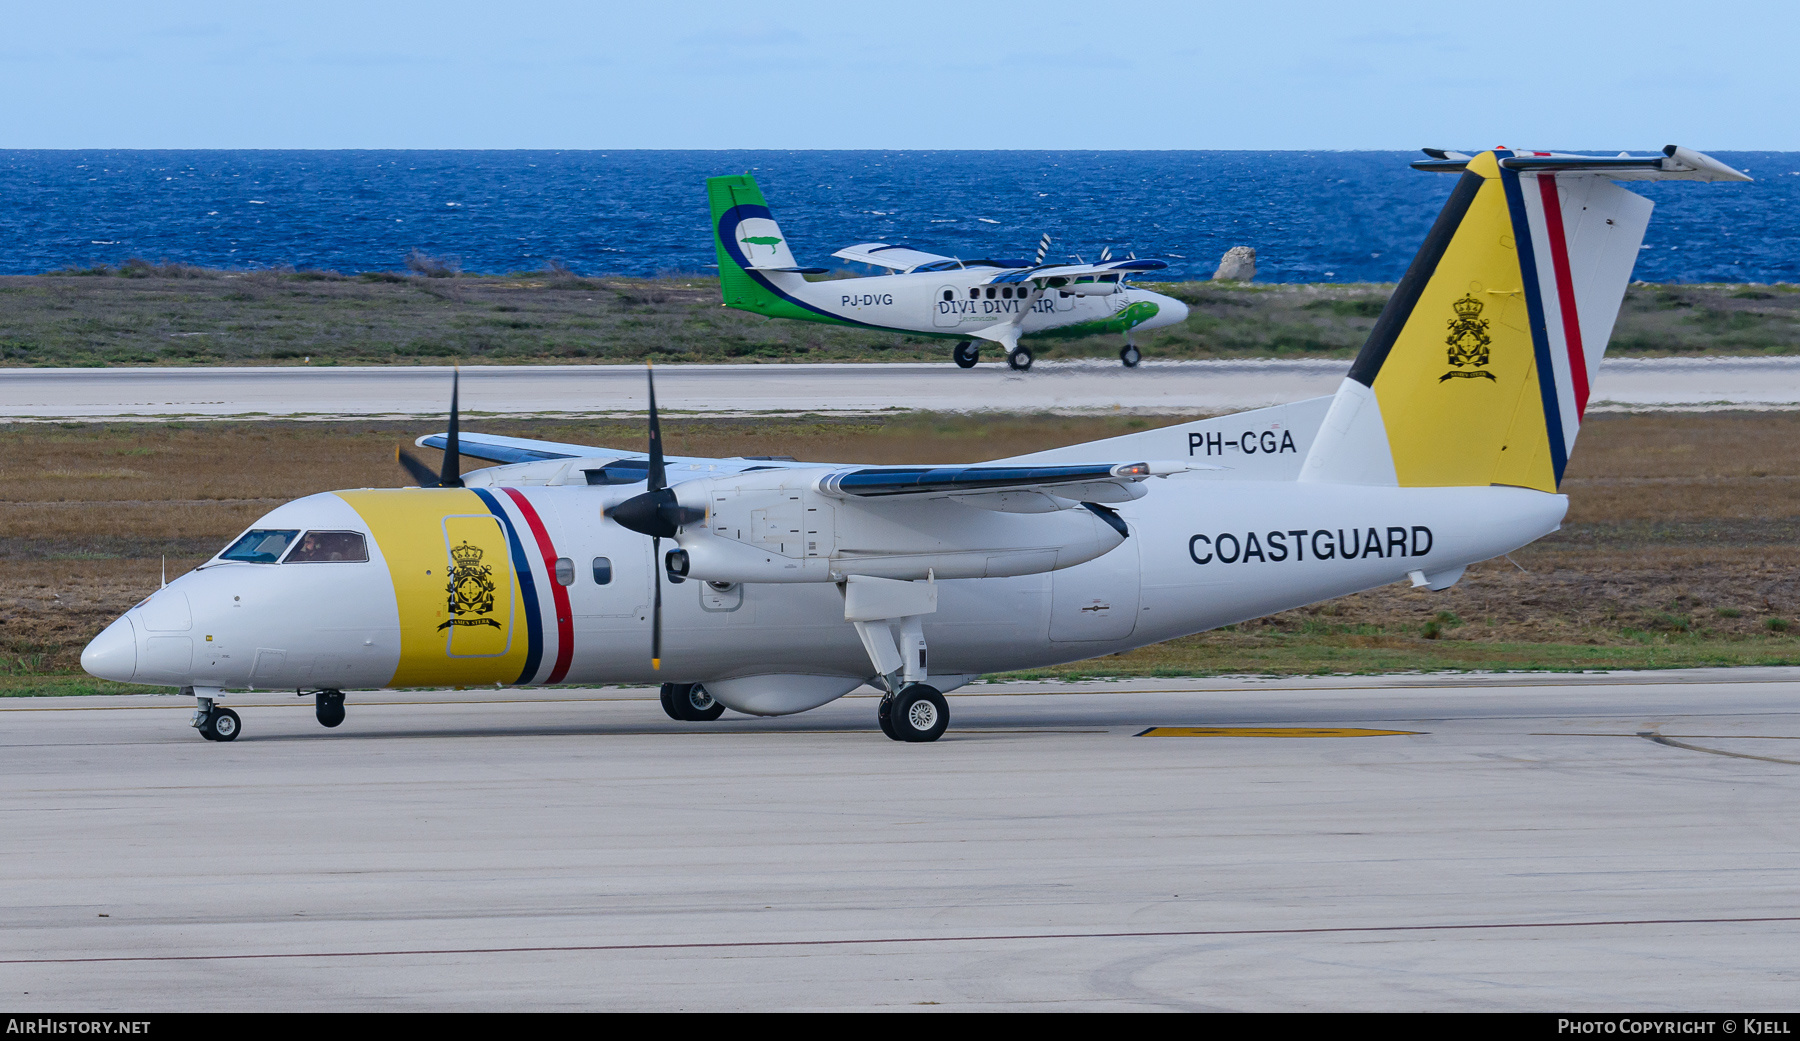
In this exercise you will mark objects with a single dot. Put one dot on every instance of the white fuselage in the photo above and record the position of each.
(1202, 553)
(957, 303)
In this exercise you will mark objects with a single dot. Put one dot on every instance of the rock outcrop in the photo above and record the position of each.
(1238, 265)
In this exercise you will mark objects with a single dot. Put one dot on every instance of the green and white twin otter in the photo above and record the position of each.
(1001, 301)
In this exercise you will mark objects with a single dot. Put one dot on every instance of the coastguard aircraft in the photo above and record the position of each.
(999, 301)
(786, 585)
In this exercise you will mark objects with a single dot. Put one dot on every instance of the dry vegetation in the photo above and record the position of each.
(1680, 547)
(145, 314)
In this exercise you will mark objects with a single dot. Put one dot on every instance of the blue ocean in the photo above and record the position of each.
(1311, 216)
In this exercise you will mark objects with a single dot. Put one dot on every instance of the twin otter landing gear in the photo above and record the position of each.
(966, 354)
(690, 703)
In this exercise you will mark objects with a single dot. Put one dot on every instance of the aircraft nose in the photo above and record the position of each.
(1173, 311)
(113, 654)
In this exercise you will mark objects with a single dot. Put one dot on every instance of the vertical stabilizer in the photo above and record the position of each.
(1480, 367)
(756, 266)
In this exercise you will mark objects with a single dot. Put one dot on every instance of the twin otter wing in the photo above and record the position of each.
(895, 258)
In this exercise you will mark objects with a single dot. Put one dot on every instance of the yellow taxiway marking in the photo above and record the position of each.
(1271, 732)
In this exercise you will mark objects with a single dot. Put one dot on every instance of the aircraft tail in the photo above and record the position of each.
(756, 268)
(1479, 368)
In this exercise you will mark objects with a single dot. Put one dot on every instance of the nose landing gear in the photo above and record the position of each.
(214, 721)
(1129, 353)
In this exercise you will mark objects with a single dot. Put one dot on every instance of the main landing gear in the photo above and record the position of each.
(917, 713)
(966, 354)
(912, 710)
(214, 721)
(690, 703)
(1020, 358)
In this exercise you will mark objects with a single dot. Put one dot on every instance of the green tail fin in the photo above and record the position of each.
(752, 251)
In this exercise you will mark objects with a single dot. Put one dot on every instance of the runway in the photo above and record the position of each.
(1526, 842)
(1156, 387)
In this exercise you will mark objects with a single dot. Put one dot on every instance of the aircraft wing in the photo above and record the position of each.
(894, 258)
(498, 449)
(1054, 276)
(1007, 489)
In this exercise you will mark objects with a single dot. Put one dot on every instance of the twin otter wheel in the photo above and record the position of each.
(690, 703)
(1019, 359)
(966, 354)
(917, 713)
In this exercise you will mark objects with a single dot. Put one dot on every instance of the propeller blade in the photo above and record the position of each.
(658, 476)
(451, 476)
(656, 610)
(420, 473)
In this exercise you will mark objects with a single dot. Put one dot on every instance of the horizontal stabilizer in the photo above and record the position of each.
(1675, 164)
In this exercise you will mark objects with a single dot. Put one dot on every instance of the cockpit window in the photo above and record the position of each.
(259, 546)
(324, 546)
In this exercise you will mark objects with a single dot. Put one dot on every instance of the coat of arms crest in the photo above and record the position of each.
(1468, 341)
(471, 587)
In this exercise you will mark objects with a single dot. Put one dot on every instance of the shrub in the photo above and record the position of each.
(1776, 625)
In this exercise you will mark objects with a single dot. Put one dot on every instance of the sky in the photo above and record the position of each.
(1252, 74)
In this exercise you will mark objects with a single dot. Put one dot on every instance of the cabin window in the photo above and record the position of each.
(259, 546)
(974, 294)
(565, 571)
(319, 547)
(990, 292)
(949, 296)
(602, 571)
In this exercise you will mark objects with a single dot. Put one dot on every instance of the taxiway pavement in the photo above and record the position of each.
(1156, 387)
(1531, 844)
